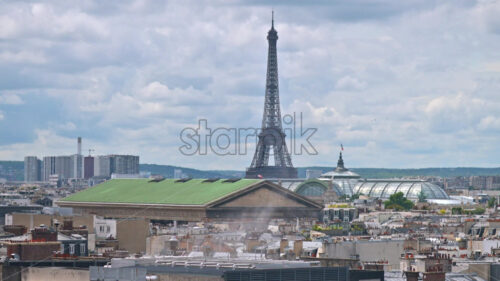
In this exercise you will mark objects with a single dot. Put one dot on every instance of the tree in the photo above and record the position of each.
(457, 210)
(491, 202)
(422, 197)
(478, 211)
(398, 201)
(344, 197)
(354, 197)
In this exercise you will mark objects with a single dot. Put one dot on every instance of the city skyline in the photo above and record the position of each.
(401, 85)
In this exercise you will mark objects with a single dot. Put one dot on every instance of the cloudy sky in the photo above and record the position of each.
(399, 83)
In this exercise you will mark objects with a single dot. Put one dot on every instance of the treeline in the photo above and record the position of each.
(383, 173)
(14, 170)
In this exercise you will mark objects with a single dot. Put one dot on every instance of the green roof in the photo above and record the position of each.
(168, 191)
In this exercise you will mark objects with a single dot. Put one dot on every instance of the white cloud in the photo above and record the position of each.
(401, 84)
(487, 14)
(489, 123)
(46, 143)
(459, 112)
(22, 57)
(349, 83)
(11, 99)
(68, 126)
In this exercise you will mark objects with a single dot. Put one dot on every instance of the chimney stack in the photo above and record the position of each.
(79, 145)
(297, 247)
(412, 275)
(283, 245)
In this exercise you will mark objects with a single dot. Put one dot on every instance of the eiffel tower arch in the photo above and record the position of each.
(271, 138)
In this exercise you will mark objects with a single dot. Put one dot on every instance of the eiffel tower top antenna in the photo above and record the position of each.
(272, 19)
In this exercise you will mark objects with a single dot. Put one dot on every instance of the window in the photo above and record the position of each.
(365, 188)
(82, 249)
(62, 248)
(346, 215)
(71, 249)
(378, 189)
(312, 190)
(390, 189)
(404, 188)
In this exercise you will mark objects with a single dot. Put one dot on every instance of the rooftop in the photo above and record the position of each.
(340, 172)
(410, 188)
(168, 191)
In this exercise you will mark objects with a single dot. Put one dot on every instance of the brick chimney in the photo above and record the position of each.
(297, 247)
(411, 275)
(283, 245)
(43, 234)
(434, 276)
(67, 224)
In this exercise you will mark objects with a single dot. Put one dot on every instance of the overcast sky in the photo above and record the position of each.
(399, 83)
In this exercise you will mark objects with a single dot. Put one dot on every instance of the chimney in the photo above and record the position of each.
(297, 247)
(412, 275)
(67, 224)
(79, 145)
(283, 245)
(434, 276)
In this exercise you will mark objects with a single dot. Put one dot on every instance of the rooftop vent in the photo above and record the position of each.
(232, 180)
(156, 179)
(183, 180)
(211, 180)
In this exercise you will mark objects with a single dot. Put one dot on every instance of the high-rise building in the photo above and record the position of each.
(102, 166)
(125, 164)
(57, 165)
(32, 169)
(65, 167)
(76, 166)
(88, 167)
(272, 138)
(79, 167)
(48, 167)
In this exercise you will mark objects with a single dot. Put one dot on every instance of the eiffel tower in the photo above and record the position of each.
(272, 135)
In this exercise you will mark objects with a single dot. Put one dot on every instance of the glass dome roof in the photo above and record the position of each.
(345, 186)
(342, 179)
(340, 172)
(410, 188)
(313, 188)
(345, 182)
(317, 187)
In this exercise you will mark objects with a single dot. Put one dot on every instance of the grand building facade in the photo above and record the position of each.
(341, 182)
(192, 200)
